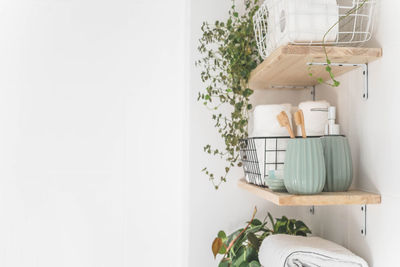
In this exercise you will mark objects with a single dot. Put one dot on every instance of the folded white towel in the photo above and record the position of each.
(314, 121)
(299, 251)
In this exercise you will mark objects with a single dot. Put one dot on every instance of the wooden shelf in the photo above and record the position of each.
(287, 65)
(323, 199)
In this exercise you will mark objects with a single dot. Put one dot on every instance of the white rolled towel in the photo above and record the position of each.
(265, 123)
(314, 120)
(294, 251)
(306, 21)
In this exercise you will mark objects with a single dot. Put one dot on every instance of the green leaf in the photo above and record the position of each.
(240, 257)
(254, 240)
(254, 229)
(247, 92)
(224, 263)
(254, 264)
(271, 219)
(251, 254)
(233, 236)
(222, 235)
(256, 222)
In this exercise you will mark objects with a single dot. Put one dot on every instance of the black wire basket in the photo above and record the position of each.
(260, 155)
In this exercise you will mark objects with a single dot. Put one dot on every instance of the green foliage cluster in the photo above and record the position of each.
(240, 249)
(229, 54)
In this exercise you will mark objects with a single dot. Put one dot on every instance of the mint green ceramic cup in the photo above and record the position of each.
(338, 163)
(304, 169)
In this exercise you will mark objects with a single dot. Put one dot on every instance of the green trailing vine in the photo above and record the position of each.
(328, 68)
(241, 247)
(229, 54)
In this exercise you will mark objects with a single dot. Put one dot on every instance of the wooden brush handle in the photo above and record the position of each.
(303, 126)
(283, 120)
(289, 129)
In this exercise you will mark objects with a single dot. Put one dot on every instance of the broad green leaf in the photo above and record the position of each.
(251, 254)
(256, 222)
(254, 229)
(254, 264)
(233, 236)
(240, 257)
(224, 263)
(254, 240)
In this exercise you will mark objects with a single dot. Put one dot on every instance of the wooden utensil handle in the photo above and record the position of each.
(303, 124)
(289, 129)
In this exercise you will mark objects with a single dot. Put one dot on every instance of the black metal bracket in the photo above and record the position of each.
(312, 210)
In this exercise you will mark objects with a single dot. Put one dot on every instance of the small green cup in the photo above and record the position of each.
(339, 166)
(304, 169)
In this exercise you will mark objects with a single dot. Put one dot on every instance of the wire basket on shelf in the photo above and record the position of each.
(259, 155)
(305, 22)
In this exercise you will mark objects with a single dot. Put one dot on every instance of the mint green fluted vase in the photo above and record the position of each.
(304, 169)
(339, 166)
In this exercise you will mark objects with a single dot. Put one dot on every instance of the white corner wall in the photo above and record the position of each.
(371, 127)
(92, 97)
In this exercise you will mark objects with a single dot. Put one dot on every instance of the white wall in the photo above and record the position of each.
(91, 102)
(372, 128)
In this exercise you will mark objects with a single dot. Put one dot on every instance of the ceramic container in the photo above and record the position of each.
(304, 170)
(338, 163)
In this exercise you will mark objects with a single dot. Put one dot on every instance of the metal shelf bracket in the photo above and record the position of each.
(364, 220)
(312, 87)
(364, 67)
(312, 210)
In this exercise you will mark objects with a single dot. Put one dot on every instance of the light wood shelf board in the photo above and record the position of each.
(287, 65)
(352, 197)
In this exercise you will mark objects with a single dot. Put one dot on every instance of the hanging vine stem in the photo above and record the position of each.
(229, 53)
(328, 68)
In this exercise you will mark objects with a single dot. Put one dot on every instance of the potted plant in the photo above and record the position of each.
(240, 249)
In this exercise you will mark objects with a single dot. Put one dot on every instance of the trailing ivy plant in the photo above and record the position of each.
(229, 54)
(328, 68)
(240, 249)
